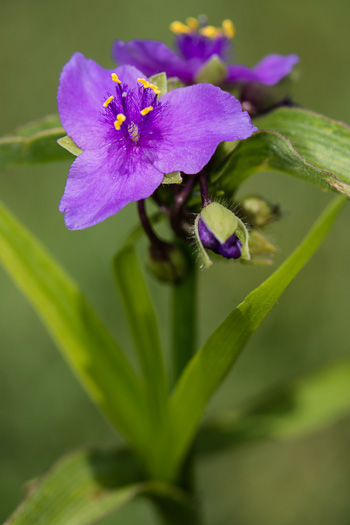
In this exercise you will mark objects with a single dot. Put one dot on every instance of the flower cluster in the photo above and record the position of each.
(134, 131)
(131, 138)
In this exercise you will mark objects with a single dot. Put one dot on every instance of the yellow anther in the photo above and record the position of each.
(146, 110)
(149, 85)
(228, 28)
(115, 78)
(178, 28)
(155, 88)
(108, 101)
(192, 23)
(143, 82)
(210, 31)
(119, 121)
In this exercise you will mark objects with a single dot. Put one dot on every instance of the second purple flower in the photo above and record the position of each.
(197, 43)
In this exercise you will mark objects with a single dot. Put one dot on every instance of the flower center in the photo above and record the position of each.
(197, 41)
(133, 113)
(133, 131)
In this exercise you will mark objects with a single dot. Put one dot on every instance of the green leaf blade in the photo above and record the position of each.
(213, 361)
(88, 347)
(34, 143)
(322, 141)
(272, 151)
(86, 486)
(81, 488)
(307, 405)
(143, 326)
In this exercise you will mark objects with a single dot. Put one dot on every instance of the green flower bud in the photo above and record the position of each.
(221, 231)
(259, 212)
(260, 248)
(214, 71)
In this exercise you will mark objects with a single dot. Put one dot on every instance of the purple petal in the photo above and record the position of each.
(100, 184)
(230, 249)
(198, 118)
(84, 86)
(207, 238)
(269, 70)
(197, 46)
(151, 57)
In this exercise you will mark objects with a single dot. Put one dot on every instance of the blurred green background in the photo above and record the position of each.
(44, 411)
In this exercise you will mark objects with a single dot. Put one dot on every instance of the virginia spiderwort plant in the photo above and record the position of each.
(197, 43)
(129, 134)
(131, 138)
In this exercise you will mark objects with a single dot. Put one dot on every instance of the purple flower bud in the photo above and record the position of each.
(230, 249)
(221, 231)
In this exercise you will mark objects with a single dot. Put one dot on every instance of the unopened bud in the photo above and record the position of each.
(259, 212)
(261, 249)
(221, 231)
(214, 71)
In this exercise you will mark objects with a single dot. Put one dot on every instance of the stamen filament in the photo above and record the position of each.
(119, 121)
(145, 111)
(108, 101)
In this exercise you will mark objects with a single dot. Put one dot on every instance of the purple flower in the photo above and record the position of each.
(131, 138)
(230, 249)
(196, 43)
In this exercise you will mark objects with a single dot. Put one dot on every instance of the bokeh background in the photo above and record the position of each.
(44, 411)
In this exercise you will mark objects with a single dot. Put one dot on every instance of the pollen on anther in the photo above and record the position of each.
(145, 111)
(143, 82)
(115, 78)
(178, 28)
(147, 84)
(108, 101)
(210, 32)
(192, 23)
(228, 28)
(155, 88)
(119, 121)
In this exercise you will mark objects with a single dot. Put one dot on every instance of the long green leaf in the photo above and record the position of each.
(322, 141)
(305, 406)
(300, 143)
(94, 356)
(143, 326)
(211, 364)
(81, 488)
(33, 143)
(85, 486)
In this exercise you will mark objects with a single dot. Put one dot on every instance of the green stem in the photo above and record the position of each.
(182, 510)
(184, 319)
